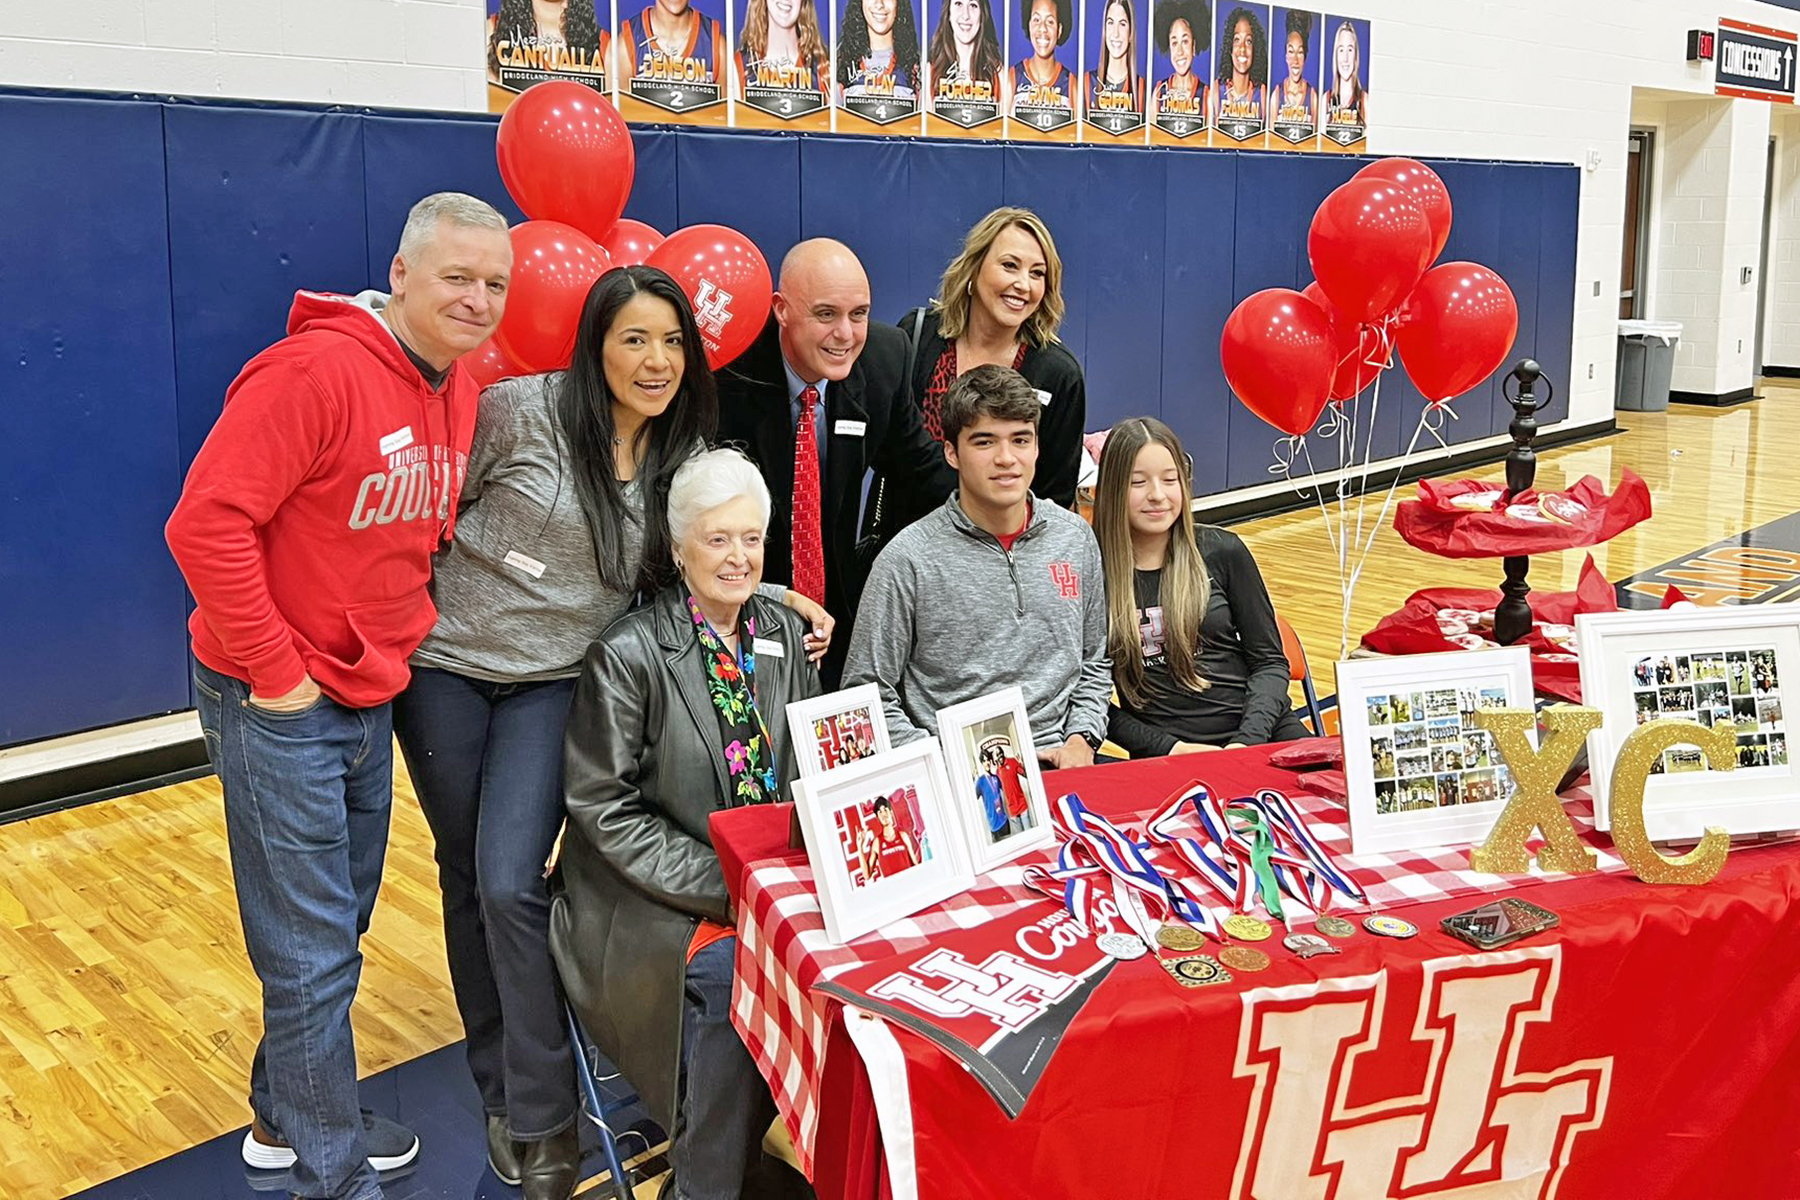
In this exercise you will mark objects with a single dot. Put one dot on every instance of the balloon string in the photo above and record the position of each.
(1443, 412)
(1346, 458)
(1381, 358)
(1319, 497)
(1284, 457)
(1423, 425)
(1362, 491)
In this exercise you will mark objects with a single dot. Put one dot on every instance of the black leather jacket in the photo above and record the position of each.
(643, 769)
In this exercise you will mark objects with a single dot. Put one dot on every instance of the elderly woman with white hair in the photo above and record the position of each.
(678, 713)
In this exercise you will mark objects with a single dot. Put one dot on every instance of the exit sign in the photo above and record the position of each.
(1700, 45)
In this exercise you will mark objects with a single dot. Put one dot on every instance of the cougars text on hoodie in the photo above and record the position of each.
(306, 526)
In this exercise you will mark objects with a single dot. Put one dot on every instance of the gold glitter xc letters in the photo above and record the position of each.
(1534, 804)
(1631, 771)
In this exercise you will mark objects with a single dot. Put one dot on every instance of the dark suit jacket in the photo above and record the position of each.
(754, 413)
(643, 770)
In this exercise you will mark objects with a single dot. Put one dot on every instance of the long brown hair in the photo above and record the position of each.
(1105, 62)
(1186, 588)
(942, 50)
(812, 42)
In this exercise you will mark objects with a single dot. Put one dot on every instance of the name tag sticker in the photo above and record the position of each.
(768, 646)
(1043, 397)
(400, 439)
(525, 563)
(850, 428)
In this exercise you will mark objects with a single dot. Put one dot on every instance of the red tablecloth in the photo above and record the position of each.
(1647, 1048)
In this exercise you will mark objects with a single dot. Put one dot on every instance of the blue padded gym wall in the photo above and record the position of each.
(158, 245)
(91, 606)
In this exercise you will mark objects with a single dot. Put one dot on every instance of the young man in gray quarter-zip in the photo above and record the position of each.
(994, 588)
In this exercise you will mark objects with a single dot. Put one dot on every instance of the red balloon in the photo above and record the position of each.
(1278, 356)
(488, 364)
(1426, 189)
(1360, 350)
(726, 278)
(1369, 243)
(1459, 326)
(630, 243)
(566, 155)
(554, 267)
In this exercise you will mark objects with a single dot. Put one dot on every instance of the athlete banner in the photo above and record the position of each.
(1119, 72)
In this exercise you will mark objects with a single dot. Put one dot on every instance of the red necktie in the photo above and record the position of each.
(809, 550)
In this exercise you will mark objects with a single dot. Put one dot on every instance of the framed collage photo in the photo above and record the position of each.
(880, 838)
(837, 728)
(996, 787)
(1712, 666)
(1420, 771)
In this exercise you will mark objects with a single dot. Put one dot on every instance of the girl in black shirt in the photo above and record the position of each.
(1197, 656)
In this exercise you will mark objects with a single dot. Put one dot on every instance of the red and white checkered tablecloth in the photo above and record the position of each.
(783, 951)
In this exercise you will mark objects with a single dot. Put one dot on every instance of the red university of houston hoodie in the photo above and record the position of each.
(306, 526)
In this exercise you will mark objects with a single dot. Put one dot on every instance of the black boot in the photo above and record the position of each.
(552, 1166)
(769, 1178)
(503, 1152)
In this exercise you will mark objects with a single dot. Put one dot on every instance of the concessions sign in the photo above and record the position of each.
(1754, 62)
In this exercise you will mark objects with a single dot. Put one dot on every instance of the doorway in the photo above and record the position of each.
(1762, 266)
(1633, 261)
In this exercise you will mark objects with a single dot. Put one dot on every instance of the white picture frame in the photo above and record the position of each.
(863, 886)
(995, 730)
(1681, 801)
(1408, 779)
(837, 728)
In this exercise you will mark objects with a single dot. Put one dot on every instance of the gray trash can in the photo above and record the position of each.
(1646, 359)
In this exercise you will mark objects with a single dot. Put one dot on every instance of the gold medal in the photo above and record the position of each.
(1196, 970)
(1243, 958)
(1247, 928)
(1336, 927)
(1179, 938)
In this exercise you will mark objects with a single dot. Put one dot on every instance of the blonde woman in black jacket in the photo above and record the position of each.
(1000, 302)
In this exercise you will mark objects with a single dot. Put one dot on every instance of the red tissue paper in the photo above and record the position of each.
(1470, 518)
(1442, 619)
(1309, 752)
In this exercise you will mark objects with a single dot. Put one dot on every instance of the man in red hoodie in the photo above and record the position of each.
(305, 531)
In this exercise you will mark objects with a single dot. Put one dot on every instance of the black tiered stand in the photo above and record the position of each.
(1512, 617)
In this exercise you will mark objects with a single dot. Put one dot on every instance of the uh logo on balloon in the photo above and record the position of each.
(566, 158)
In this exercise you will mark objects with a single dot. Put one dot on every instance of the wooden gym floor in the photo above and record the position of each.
(128, 1011)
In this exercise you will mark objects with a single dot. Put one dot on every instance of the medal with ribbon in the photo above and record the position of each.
(1256, 847)
(1099, 859)
(1252, 848)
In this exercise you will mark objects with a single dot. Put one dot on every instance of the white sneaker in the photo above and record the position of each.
(391, 1145)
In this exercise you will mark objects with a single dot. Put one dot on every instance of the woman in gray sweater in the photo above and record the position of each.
(563, 522)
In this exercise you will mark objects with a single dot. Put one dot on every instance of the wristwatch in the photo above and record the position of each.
(1092, 741)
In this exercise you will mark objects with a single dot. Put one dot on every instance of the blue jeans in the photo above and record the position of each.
(725, 1103)
(307, 798)
(486, 761)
